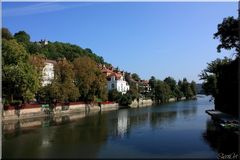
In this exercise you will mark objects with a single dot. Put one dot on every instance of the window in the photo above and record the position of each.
(112, 85)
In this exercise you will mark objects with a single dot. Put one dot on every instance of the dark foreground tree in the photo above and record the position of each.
(221, 77)
(228, 34)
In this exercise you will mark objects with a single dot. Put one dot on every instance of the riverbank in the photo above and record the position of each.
(27, 111)
(34, 115)
(149, 102)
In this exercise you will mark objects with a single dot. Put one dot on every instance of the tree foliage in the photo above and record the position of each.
(186, 89)
(13, 52)
(135, 77)
(55, 50)
(20, 79)
(221, 76)
(6, 34)
(114, 95)
(162, 91)
(89, 79)
(228, 34)
(211, 74)
(171, 82)
(126, 99)
(63, 87)
(193, 86)
(23, 38)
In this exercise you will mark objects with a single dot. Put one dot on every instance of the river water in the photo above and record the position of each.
(174, 130)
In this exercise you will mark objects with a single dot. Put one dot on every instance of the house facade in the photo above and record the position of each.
(117, 82)
(48, 72)
(144, 86)
(115, 79)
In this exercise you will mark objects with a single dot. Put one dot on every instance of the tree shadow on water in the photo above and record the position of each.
(219, 140)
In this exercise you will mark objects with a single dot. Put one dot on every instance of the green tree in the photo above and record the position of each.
(35, 48)
(189, 92)
(127, 77)
(114, 95)
(135, 77)
(172, 84)
(162, 92)
(178, 94)
(38, 62)
(125, 100)
(221, 76)
(185, 88)
(133, 91)
(6, 34)
(152, 84)
(211, 74)
(193, 87)
(228, 33)
(13, 52)
(134, 86)
(63, 88)
(89, 79)
(23, 38)
(20, 79)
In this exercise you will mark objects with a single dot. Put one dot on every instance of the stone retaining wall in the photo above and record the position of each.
(183, 98)
(172, 100)
(12, 114)
(141, 103)
(22, 113)
(107, 107)
(28, 111)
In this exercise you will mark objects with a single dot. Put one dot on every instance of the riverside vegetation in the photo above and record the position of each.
(221, 77)
(77, 76)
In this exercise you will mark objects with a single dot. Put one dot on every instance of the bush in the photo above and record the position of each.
(125, 100)
(114, 95)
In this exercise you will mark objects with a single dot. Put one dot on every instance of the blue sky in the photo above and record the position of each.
(159, 39)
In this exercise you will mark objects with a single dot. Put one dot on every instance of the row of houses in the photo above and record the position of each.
(115, 79)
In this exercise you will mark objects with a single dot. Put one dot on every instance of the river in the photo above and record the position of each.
(174, 130)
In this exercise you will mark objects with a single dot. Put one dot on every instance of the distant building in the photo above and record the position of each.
(48, 72)
(43, 42)
(115, 79)
(144, 86)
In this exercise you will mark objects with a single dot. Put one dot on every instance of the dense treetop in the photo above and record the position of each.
(228, 34)
(52, 50)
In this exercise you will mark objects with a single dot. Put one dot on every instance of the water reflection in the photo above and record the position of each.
(170, 130)
(138, 117)
(189, 112)
(219, 140)
(160, 118)
(123, 122)
(55, 137)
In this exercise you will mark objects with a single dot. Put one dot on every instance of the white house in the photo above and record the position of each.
(116, 81)
(48, 72)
